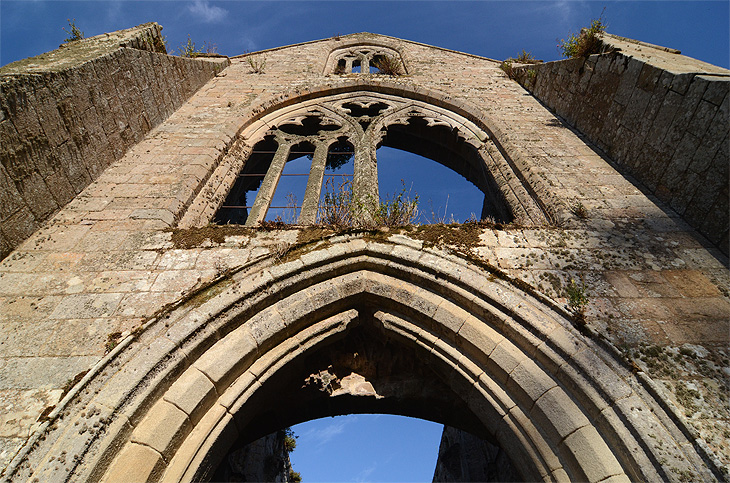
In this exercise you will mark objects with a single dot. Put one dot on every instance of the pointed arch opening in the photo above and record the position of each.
(365, 121)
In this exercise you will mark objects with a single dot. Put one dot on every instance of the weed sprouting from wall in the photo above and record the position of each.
(398, 209)
(524, 57)
(335, 207)
(339, 208)
(506, 66)
(74, 33)
(579, 210)
(257, 63)
(585, 43)
(188, 49)
(388, 65)
(577, 299)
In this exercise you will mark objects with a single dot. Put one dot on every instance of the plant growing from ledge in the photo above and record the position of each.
(398, 209)
(577, 299)
(188, 49)
(290, 440)
(257, 63)
(340, 209)
(388, 65)
(74, 33)
(506, 66)
(579, 210)
(585, 43)
(335, 207)
(526, 57)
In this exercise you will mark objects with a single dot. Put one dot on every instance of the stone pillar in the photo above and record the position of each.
(365, 184)
(310, 204)
(268, 185)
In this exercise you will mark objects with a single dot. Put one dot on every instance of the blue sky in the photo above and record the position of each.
(365, 448)
(497, 29)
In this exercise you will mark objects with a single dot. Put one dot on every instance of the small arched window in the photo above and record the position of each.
(364, 59)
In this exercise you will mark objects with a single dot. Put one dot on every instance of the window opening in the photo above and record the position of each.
(355, 66)
(286, 204)
(240, 199)
(444, 196)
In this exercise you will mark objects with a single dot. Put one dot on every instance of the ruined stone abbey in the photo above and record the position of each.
(154, 319)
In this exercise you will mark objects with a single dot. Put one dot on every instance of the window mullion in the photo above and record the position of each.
(268, 185)
(310, 204)
(365, 182)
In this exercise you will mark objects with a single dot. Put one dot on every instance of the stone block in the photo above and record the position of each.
(18, 226)
(648, 77)
(557, 415)
(716, 91)
(36, 195)
(628, 81)
(135, 462)
(503, 359)
(592, 459)
(229, 357)
(163, 428)
(10, 199)
(528, 382)
(703, 116)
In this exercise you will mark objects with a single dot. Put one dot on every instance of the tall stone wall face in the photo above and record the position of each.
(67, 115)
(661, 116)
(465, 457)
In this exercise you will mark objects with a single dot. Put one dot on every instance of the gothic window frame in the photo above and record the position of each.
(363, 118)
(342, 60)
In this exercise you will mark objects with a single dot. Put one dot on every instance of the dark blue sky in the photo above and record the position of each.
(497, 29)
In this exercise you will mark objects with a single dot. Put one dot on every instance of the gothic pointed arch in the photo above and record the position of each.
(369, 114)
(169, 401)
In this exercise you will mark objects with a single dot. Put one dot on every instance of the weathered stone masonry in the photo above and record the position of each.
(197, 339)
(662, 116)
(68, 114)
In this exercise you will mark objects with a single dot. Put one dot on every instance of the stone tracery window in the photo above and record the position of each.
(359, 59)
(340, 135)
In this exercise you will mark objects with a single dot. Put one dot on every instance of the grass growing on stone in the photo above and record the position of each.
(585, 43)
(185, 238)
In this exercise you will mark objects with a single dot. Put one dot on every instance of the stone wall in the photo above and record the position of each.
(465, 457)
(265, 459)
(68, 114)
(661, 116)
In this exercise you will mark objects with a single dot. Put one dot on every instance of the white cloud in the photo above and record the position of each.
(324, 435)
(362, 477)
(206, 12)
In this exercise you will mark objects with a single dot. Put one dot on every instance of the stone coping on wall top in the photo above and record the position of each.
(77, 52)
(662, 57)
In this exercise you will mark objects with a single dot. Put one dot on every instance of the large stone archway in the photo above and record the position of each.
(167, 404)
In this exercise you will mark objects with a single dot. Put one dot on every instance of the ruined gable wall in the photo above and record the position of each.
(68, 114)
(107, 263)
(661, 116)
